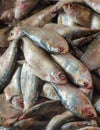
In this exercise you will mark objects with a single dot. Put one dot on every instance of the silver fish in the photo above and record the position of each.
(13, 91)
(75, 100)
(43, 65)
(30, 86)
(47, 39)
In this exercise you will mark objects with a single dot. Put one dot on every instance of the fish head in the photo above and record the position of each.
(85, 80)
(62, 50)
(88, 112)
(15, 34)
(58, 77)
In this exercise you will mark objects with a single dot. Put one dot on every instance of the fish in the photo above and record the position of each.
(91, 54)
(76, 71)
(23, 7)
(13, 92)
(47, 39)
(76, 125)
(8, 15)
(46, 109)
(30, 86)
(58, 120)
(42, 64)
(8, 115)
(94, 4)
(7, 66)
(95, 22)
(75, 100)
(40, 18)
(80, 14)
(49, 92)
(72, 32)
(89, 128)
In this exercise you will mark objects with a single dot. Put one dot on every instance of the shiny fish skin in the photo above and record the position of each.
(91, 57)
(75, 100)
(47, 108)
(76, 125)
(89, 128)
(47, 39)
(58, 120)
(71, 32)
(94, 4)
(41, 18)
(96, 103)
(77, 72)
(13, 91)
(42, 64)
(80, 14)
(7, 66)
(51, 93)
(23, 7)
(30, 86)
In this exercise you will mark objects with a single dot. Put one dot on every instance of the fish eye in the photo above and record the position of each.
(61, 76)
(60, 49)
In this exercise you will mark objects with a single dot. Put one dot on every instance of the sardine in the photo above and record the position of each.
(49, 92)
(48, 39)
(79, 13)
(46, 109)
(30, 86)
(7, 66)
(41, 18)
(77, 72)
(91, 56)
(76, 125)
(13, 91)
(23, 7)
(42, 64)
(89, 128)
(75, 100)
(72, 32)
(59, 120)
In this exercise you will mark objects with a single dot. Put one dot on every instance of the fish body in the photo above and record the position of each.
(75, 100)
(47, 39)
(7, 66)
(23, 7)
(43, 65)
(30, 86)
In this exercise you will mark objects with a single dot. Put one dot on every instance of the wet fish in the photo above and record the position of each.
(23, 7)
(30, 86)
(58, 120)
(80, 14)
(91, 56)
(75, 100)
(89, 128)
(47, 109)
(94, 4)
(8, 115)
(77, 72)
(95, 22)
(76, 125)
(42, 64)
(7, 66)
(49, 92)
(13, 91)
(41, 18)
(71, 32)
(48, 39)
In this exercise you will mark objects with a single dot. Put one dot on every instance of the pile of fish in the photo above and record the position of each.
(50, 65)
